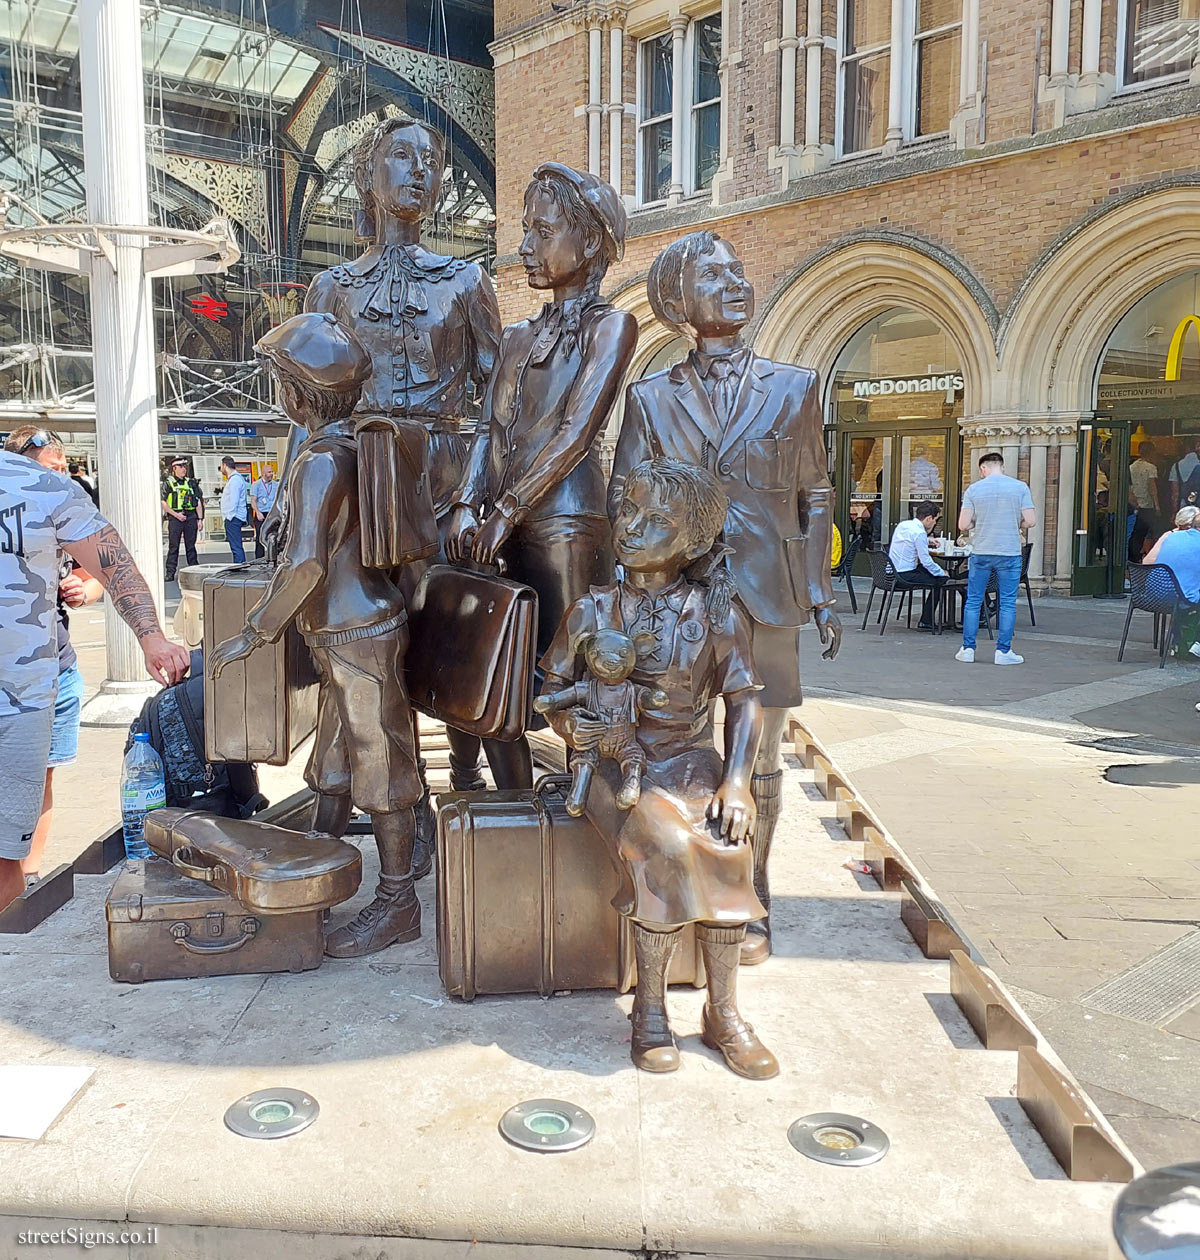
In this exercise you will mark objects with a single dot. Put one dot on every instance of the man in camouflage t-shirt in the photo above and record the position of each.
(42, 514)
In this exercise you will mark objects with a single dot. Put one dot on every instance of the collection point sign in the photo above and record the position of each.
(884, 385)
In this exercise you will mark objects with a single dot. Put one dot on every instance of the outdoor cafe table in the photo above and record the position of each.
(955, 561)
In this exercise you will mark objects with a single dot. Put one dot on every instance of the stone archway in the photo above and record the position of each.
(815, 311)
(1054, 333)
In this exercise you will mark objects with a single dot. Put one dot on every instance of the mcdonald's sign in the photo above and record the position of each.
(1175, 353)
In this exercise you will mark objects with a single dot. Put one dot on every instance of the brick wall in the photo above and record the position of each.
(536, 99)
(996, 216)
(1010, 28)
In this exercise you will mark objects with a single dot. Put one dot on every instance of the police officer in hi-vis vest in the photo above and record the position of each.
(183, 505)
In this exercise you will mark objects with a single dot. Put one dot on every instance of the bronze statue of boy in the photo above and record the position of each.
(683, 849)
(354, 620)
(756, 426)
(533, 494)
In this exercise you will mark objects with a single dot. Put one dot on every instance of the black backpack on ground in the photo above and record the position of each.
(1189, 490)
(174, 720)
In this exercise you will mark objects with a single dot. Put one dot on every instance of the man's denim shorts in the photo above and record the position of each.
(64, 739)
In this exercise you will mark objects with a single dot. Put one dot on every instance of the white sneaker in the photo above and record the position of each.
(1009, 658)
(965, 654)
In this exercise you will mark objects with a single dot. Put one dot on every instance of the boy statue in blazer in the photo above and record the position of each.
(756, 426)
(533, 492)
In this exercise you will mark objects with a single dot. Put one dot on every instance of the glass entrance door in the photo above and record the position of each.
(887, 474)
(1103, 516)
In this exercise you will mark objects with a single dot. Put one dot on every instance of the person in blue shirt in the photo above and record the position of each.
(262, 499)
(998, 510)
(1179, 550)
(235, 508)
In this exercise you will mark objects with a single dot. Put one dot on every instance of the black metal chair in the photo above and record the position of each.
(843, 570)
(883, 579)
(1153, 588)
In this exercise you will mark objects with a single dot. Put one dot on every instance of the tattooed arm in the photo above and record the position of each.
(106, 556)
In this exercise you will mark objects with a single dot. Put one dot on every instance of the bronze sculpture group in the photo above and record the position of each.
(718, 512)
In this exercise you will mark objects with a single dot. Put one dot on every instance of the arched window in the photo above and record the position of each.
(895, 398)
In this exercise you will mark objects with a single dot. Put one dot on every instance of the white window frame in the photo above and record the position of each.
(839, 137)
(1123, 85)
(642, 123)
(912, 82)
(690, 137)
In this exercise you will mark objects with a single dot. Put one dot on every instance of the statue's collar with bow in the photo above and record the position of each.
(395, 276)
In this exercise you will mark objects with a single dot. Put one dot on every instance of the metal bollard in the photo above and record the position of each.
(1157, 1217)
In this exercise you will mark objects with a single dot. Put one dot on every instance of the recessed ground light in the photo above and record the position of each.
(547, 1124)
(272, 1113)
(831, 1137)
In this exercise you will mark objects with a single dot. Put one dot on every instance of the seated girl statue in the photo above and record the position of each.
(682, 850)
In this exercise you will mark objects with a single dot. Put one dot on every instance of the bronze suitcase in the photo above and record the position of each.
(268, 869)
(471, 651)
(164, 926)
(264, 707)
(524, 895)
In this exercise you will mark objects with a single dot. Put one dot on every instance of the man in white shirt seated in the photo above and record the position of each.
(909, 554)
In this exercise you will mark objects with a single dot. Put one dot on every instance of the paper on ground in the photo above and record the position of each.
(31, 1098)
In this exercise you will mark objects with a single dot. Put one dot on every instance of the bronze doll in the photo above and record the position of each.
(607, 696)
(429, 323)
(353, 618)
(533, 492)
(682, 850)
(756, 426)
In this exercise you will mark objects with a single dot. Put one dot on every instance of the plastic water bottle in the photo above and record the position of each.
(143, 788)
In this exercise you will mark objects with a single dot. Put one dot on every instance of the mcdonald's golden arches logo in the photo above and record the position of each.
(1175, 353)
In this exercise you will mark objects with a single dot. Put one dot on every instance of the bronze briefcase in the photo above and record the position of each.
(269, 869)
(395, 498)
(524, 899)
(164, 926)
(264, 707)
(471, 651)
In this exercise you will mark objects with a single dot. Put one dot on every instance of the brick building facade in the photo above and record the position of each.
(950, 208)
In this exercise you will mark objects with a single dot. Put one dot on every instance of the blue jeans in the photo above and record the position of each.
(233, 536)
(1008, 578)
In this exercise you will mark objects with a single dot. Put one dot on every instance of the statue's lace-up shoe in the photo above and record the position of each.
(394, 916)
(735, 1040)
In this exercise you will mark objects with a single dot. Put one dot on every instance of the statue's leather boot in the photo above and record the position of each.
(651, 1044)
(395, 913)
(722, 1027)
(426, 834)
(392, 917)
(465, 775)
(767, 790)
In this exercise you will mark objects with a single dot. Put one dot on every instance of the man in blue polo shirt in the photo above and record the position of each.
(235, 495)
(996, 508)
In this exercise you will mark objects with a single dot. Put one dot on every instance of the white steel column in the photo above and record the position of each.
(616, 96)
(1060, 39)
(594, 106)
(114, 147)
(1065, 543)
(896, 77)
(1037, 487)
(679, 27)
